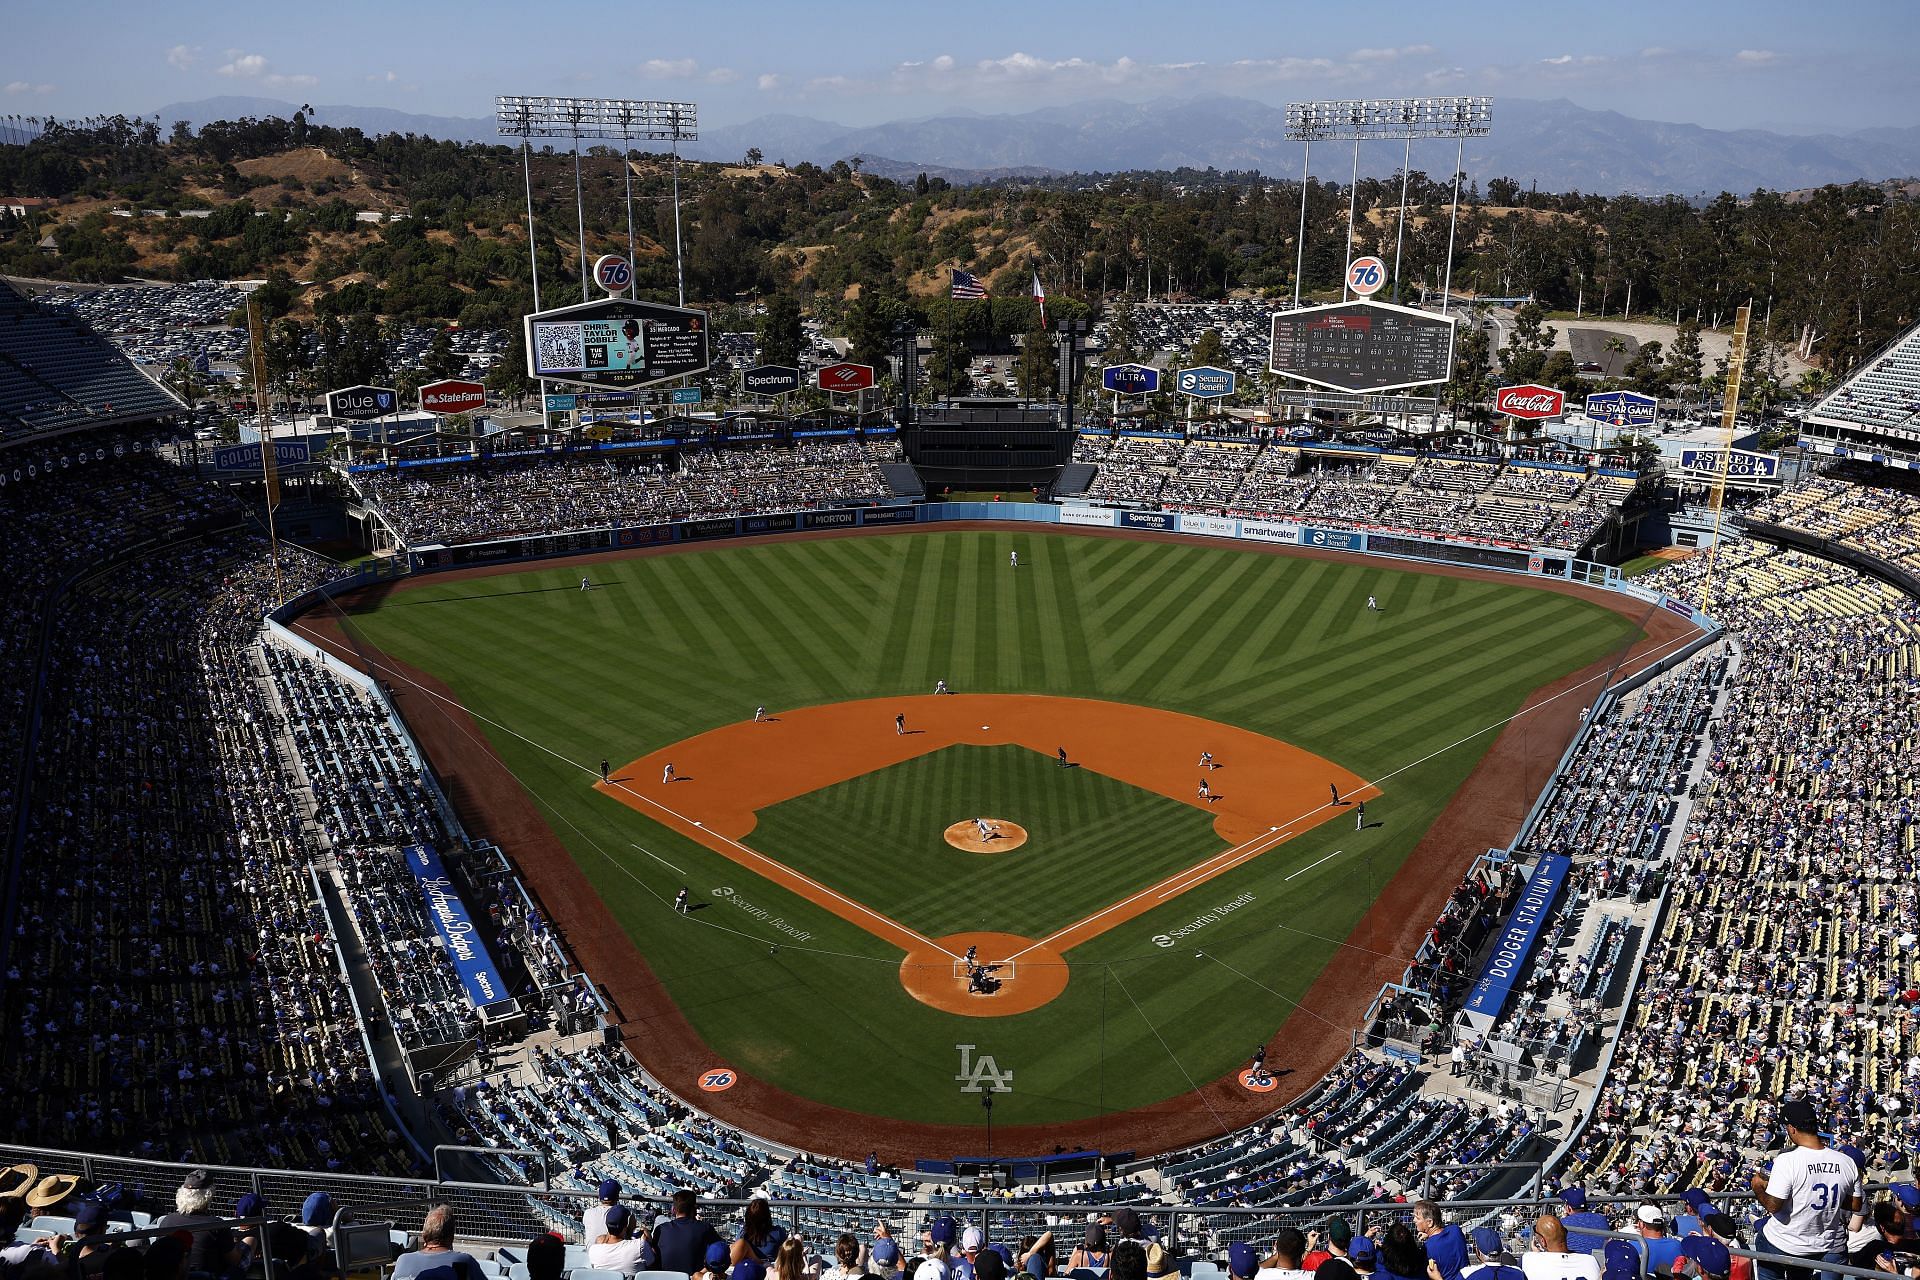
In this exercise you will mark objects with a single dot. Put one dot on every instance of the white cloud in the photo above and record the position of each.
(722, 75)
(382, 77)
(1388, 55)
(1756, 57)
(244, 66)
(1560, 61)
(943, 63)
(181, 56)
(669, 68)
(1656, 51)
(21, 86)
(767, 82)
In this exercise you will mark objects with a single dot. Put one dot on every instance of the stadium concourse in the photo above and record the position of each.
(217, 953)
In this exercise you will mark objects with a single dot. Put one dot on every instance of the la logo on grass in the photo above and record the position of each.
(981, 1074)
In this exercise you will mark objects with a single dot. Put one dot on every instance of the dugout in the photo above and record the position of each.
(987, 444)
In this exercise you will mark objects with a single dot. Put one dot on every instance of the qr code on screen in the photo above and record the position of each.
(558, 346)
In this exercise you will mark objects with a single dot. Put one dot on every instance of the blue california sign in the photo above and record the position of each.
(1205, 381)
(1131, 379)
(1628, 408)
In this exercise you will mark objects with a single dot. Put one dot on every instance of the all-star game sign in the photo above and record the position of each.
(616, 343)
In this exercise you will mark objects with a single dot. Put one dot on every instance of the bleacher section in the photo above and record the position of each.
(56, 373)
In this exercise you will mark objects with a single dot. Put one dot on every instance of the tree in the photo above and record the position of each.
(947, 374)
(869, 326)
(1684, 366)
(1123, 334)
(754, 156)
(1208, 349)
(779, 331)
(1647, 371)
(442, 361)
(1037, 373)
(1559, 371)
(1526, 352)
(1472, 379)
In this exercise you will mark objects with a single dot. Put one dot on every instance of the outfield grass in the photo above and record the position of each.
(1091, 840)
(672, 645)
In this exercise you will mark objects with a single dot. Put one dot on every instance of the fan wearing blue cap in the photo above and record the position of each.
(1808, 1194)
(593, 1223)
(1575, 1198)
(938, 1238)
(1243, 1260)
(625, 1246)
(1705, 1257)
(1491, 1261)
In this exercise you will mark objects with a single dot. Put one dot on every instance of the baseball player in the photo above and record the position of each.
(972, 951)
(680, 900)
(940, 686)
(1334, 789)
(1260, 1064)
(1373, 605)
(666, 774)
(1360, 817)
(1206, 793)
(1013, 558)
(900, 723)
(586, 584)
(603, 770)
(759, 714)
(1206, 760)
(1064, 762)
(986, 831)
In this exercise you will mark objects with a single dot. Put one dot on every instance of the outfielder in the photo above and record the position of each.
(680, 900)
(1013, 558)
(586, 584)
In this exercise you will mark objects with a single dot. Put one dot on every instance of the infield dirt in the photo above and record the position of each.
(1485, 812)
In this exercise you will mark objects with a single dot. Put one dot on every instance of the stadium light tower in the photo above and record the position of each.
(1373, 119)
(625, 119)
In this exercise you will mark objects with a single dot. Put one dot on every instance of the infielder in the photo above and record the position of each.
(603, 770)
(1206, 793)
(1206, 760)
(900, 723)
(759, 714)
(666, 774)
(940, 686)
(1360, 817)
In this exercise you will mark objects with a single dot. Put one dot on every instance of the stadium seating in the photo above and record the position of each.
(56, 373)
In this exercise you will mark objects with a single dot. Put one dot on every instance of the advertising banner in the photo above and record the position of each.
(784, 522)
(1100, 516)
(246, 457)
(483, 983)
(650, 536)
(1515, 942)
(616, 343)
(1623, 408)
(562, 404)
(1147, 520)
(1334, 539)
(832, 519)
(717, 528)
(889, 515)
(1270, 530)
(1215, 526)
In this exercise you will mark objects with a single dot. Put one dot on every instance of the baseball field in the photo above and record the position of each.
(842, 852)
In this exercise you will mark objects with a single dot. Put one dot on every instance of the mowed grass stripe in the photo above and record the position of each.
(658, 656)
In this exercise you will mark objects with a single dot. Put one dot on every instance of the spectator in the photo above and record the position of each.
(215, 1251)
(1401, 1255)
(1491, 1259)
(89, 1224)
(1284, 1262)
(1129, 1261)
(683, 1239)
(885, 1258)
(1703, 1256)
(1807, 1194)
(792, 1263)
(848, 1260)
(1575, 1198)
(1363, 1255)
(1551, 1258)
(593, 1223)
(1662, 1249)
(938, 1241)
(623, 1245)
(1889, 1230)
(760, 1236)
(1243, 1261)
(1092, 1249)
(436, 1258)
(1445, 1243)
(546, 1257)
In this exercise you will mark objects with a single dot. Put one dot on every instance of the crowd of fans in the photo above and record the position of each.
(1517, 502)
(467, 502)
(1874, 510)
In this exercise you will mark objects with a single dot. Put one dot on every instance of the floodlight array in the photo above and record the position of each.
(627, 119)
(1363, 118)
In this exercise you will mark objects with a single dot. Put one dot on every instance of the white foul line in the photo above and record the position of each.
(656, 857)
(1311, 865)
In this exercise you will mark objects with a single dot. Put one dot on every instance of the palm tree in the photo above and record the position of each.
(1815, 383)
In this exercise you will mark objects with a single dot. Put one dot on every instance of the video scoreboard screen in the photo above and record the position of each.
(1363, 346)
(616, 343)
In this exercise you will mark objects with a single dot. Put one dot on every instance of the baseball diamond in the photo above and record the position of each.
(1268, 661)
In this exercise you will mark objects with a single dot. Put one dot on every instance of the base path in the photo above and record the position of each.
(1484, 812)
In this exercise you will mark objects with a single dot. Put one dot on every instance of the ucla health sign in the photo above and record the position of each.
(1624, 408)
(484, 985)
(1515, 942)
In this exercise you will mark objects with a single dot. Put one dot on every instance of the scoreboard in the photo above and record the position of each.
(1363, 346)
(616, 343)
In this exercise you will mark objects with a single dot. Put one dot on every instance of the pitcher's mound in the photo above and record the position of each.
(1004, 838)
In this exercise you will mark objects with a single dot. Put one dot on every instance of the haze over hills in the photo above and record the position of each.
(1556, 144)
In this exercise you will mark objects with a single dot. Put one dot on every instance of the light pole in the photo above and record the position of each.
(1401, 120)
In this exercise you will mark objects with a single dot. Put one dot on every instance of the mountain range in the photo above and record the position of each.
(1555, 144)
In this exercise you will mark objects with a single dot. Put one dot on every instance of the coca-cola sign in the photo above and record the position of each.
(1530, 400)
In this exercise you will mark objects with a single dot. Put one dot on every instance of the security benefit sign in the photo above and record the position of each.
(616, 343)
(483, 984)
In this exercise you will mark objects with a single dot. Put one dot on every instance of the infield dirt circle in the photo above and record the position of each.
(1006, 837)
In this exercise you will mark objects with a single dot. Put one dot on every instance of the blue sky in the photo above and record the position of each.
(1814, 64)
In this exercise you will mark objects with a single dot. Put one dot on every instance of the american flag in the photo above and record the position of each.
(967, 285)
